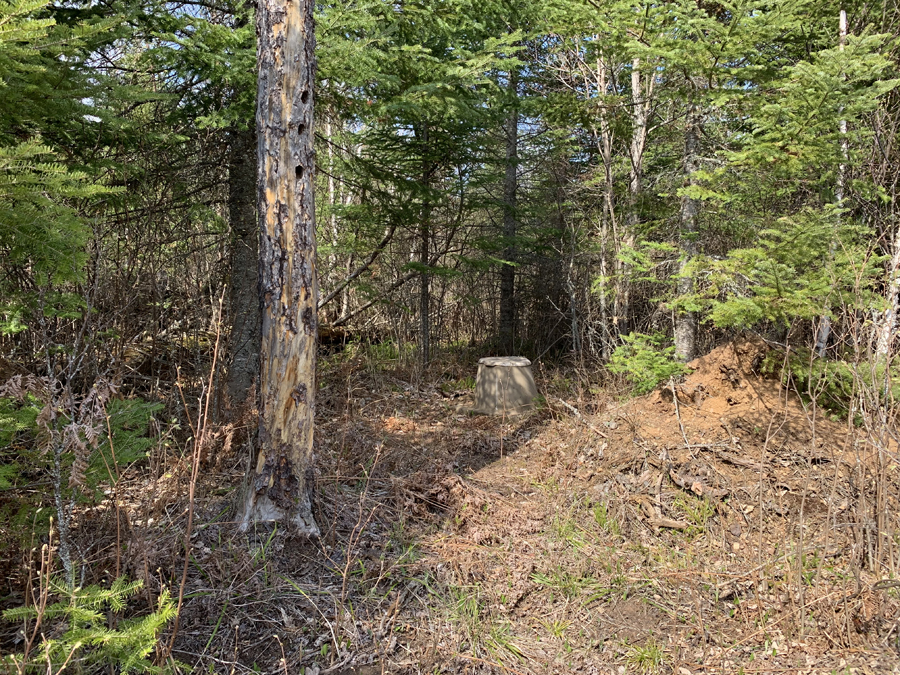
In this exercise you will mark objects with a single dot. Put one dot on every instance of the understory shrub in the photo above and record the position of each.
(833, 383)
(645, 361)
(73, 629)
(68, 446)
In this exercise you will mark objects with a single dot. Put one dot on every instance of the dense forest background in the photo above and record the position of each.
(610, 188)
(547, 180)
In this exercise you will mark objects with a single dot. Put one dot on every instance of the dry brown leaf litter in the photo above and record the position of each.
(716, 526)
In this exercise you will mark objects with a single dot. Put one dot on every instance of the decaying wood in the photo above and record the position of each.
(654, 519)
(668, 523)
(280, 486)
(696, 486)
(740, 461)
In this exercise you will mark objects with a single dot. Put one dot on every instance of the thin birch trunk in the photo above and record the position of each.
(686, 323)
(640, 109)
(346, 198)
(607, 326)
(332, 215)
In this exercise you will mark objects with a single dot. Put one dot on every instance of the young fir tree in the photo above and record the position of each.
(73, 632)
(412, 80)
(213, 51)
(806, 128)
(45, 104)
(713, 65)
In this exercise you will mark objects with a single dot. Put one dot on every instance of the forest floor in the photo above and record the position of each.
(716, 525)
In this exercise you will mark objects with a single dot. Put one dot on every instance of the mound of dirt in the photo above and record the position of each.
(726, 400)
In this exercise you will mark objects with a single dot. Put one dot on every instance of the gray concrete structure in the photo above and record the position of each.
(504, 386)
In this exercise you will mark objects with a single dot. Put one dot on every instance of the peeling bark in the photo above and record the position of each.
(280, 486)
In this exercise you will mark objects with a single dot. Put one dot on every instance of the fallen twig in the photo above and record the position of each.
(669, 523)
(678, 413)
(581, 418)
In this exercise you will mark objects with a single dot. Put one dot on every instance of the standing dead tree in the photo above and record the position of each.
(280, 482)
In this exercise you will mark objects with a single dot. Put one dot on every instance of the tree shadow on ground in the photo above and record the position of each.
(390, 466)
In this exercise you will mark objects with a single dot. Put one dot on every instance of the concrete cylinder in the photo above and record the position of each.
(504, 386)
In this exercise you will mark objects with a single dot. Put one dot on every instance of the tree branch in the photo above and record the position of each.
(362, 268)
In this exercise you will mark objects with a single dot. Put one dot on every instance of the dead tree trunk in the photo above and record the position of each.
(280, 484)
(686, 323)
(424, 249)
(886, 321)
(243, 341)
(507, 323)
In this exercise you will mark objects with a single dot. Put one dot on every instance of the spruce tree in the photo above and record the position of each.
(46, 96)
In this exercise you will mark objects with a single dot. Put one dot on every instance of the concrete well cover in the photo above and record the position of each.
(517, 361)
(504, 386)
